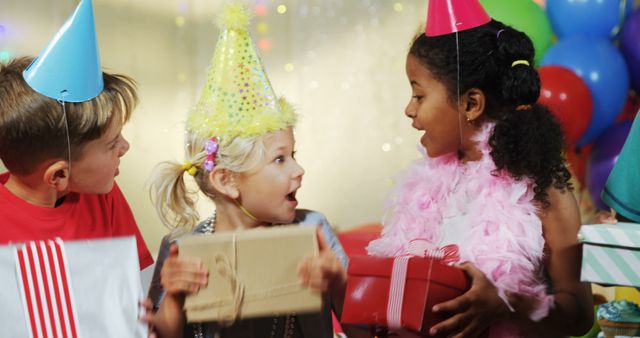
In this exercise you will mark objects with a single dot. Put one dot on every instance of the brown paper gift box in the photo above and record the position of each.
(252, 273)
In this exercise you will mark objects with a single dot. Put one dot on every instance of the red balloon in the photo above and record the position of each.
(630, 109)
(569, 99)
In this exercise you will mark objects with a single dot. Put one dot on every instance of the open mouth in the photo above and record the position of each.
(292, 196)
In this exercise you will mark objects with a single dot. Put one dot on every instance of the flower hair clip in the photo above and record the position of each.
(211, 148)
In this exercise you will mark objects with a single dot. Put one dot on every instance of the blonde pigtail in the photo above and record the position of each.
(175, 204)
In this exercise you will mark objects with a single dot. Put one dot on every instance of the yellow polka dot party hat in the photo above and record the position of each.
(237, 99)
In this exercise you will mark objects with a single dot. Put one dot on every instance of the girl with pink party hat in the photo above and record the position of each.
(493, 181)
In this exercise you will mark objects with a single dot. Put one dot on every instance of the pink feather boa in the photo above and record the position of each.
(505, 242)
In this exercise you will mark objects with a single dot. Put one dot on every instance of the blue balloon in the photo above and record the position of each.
(630, 47)
(602, 67)
(587, 18)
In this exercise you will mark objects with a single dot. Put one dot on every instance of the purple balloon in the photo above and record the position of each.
(630, 47)
(605, 153)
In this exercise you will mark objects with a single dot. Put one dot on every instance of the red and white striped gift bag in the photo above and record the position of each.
(86, 289)
(46, 290)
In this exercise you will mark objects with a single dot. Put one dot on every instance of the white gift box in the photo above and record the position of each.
(611, 253)
(103, 279)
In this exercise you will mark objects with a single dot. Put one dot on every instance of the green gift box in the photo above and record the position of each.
(611, 253)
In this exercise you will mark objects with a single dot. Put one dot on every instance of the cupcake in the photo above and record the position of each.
(619, 318)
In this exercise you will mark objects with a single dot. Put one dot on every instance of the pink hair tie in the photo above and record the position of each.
(211, 148)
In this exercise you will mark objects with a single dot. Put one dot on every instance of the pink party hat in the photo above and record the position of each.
(449, 16)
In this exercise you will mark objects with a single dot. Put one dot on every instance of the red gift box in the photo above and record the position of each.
(415, 284)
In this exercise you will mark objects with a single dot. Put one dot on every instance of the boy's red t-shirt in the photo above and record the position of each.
(80, 216)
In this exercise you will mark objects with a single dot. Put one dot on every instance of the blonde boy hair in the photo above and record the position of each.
(32, 124)
(174, 202)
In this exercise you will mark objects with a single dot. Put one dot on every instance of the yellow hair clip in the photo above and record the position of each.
(520, 62)
(189, 168)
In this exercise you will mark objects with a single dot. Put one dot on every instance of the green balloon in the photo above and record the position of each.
(525, 16)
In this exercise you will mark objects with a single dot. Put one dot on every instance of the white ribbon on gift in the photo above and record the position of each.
(422, 248)
(416, 248)
(396, 292)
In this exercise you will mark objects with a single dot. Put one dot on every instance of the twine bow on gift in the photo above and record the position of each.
(224, 268)
(227, 268)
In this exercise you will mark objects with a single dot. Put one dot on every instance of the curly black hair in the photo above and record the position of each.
(527, 141)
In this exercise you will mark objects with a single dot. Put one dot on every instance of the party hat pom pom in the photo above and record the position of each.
(287, 112)
(235, 16)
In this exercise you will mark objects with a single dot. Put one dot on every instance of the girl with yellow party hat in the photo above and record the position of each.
(240, 152)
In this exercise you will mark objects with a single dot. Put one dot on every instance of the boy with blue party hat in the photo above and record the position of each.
(61, 119)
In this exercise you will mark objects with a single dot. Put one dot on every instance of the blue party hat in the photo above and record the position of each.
(68, 69)
(621, 191)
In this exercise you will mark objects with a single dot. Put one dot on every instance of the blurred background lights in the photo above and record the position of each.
(282, 9)
(288, 67)
(304, 11)
(183, 7)
(264, 44)
(260, 10)
(397, 7)
(4, 56)
(262, 27)
(180, 20)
